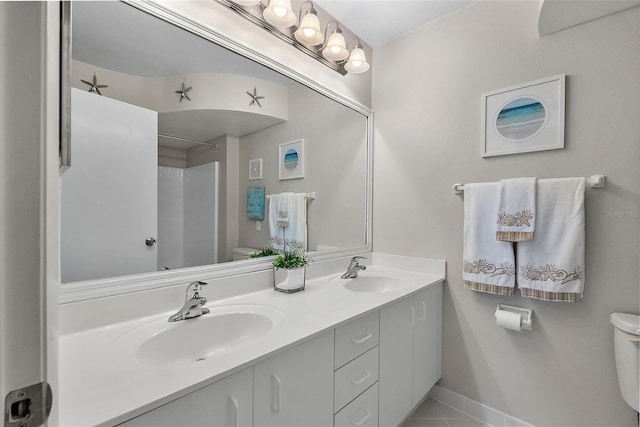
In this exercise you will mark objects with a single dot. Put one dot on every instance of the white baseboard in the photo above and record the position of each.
(475, 409)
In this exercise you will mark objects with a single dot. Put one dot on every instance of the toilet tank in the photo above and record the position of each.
(626, 342)
(243, 253)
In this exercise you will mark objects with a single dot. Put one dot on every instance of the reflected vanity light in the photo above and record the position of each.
(329, 47)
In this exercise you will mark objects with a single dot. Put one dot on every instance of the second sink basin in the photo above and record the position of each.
(375, 280)
(224, 329)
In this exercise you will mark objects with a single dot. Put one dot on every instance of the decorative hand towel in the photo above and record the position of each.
(551, 267)
(516, 210)
(488, 263)
(288, 220)
(296, 232)
(278, 218)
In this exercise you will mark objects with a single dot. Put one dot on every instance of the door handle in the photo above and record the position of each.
(275, 393)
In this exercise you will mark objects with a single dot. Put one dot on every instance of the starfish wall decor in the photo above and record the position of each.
(184, 92)
(255, 99)
(93, 85)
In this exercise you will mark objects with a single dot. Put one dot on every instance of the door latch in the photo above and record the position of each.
(28, 406)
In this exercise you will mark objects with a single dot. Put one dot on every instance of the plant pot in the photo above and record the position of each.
(289, 281)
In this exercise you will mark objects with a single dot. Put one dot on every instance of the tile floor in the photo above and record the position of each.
(435, 414)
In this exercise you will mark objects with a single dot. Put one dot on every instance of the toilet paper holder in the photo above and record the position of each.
(526, 315)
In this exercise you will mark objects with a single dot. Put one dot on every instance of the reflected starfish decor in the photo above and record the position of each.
(184, 92)
(255, 99)
(93, 85)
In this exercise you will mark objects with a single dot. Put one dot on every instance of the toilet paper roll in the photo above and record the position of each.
(509, 320)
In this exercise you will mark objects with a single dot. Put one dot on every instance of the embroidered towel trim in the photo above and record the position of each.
(551, 267)
(488, 264)
(516, 210)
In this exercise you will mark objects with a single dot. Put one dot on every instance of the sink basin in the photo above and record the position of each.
(375, 280)
(224, 329)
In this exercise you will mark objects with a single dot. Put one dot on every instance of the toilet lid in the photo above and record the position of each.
(629, 323)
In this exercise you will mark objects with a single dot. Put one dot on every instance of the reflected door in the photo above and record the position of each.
(110, 193)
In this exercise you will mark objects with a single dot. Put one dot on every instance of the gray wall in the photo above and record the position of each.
(335, 168)
(427, 89)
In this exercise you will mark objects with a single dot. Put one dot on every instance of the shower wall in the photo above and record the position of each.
(187, 215)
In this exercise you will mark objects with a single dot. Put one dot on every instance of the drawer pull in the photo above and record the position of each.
(367, 375)
(236, 410)
(363, 339)
(363, 419)
(413, 317)
(275, 393)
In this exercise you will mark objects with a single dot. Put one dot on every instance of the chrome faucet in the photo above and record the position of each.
(354, 268)
(193, 305)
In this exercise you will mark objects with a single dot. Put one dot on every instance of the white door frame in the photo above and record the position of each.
(29, 199)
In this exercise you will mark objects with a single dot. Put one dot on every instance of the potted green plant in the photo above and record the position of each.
(289, 269)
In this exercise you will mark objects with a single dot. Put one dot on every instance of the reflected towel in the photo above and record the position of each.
(516, 210)
(551, 267)
(488, 264)
(288, 220)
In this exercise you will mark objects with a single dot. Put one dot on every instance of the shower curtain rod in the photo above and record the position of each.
(192, 141)
(594, 181)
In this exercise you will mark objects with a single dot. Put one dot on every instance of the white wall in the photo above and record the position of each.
(427, 100)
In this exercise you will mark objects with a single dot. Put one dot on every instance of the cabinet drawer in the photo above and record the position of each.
(354, 378)
(357, 337)
(362, 412)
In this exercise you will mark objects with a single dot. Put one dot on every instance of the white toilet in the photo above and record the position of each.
(626, 341)
(242, 253)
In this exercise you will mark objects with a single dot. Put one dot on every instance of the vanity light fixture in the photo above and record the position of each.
(277, 17)
(357, 62)
(309, 32)
(279, 13)
(336, 47)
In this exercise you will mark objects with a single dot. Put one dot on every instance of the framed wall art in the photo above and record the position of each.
(524, 118)
(255, 169)
(291, 160)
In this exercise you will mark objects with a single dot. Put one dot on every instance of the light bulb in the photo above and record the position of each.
(357, 62)
(336, 49)
(279, 13)
(309, 32)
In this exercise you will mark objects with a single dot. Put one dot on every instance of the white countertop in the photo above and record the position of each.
(103, 383)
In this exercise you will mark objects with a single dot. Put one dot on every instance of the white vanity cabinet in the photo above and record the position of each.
(295, 388)
(228, 402)
(410, 335)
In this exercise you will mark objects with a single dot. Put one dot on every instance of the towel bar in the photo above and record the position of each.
(594, 181)
(311, 195)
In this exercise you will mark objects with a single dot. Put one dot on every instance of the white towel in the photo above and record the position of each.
(488, 263)
(288, 220)
(516, 210)
(551, 267)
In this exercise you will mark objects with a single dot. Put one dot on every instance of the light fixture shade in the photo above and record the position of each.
(357, 62)
(336, 49)
(246, 2)
(279, 13)
(309, 31)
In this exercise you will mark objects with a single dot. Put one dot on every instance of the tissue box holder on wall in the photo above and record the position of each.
(289, 280)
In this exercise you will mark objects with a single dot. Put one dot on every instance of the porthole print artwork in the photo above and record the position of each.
(524, 118)
(291, 160)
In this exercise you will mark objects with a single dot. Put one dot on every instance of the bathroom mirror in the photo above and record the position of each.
(171, 131)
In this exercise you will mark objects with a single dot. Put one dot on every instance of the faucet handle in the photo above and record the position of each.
(358, 258)
(196, 288)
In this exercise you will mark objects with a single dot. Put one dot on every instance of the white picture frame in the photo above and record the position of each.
(524, 118)
(291, 160)
(255, 169)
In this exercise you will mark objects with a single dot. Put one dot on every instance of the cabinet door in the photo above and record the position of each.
(396, 362)
(295, 388)
(426, 340)
(225, 403)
